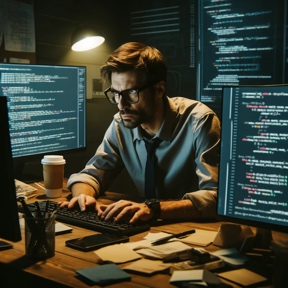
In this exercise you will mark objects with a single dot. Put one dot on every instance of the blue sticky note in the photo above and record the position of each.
(104, 274)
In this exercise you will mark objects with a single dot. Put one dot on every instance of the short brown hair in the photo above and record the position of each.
(136, 56)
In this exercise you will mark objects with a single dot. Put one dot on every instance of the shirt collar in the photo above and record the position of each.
(168, 125)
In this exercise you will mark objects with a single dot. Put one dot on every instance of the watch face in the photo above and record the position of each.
(154, 205)
(152, 202)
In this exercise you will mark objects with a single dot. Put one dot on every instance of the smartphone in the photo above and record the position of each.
(96, 241)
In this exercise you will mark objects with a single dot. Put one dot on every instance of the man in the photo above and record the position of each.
(186, 132)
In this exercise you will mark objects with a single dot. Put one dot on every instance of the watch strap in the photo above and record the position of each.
(154, 205)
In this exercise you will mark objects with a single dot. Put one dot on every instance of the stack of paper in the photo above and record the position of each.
(23, 189)
(163, 250)
(199, 277)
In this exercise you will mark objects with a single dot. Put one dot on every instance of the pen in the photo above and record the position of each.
(46, 208)
(27, 212)
(166, 238)
(39, 213)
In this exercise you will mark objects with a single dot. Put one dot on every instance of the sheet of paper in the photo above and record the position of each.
(138, 244)
(200, 238)
(61, 228)
(161, 251)
(23, 189)
(231, 256)
(155, 236)
(146, 242)
(147, 266)
(118, 253)
(19, 37)
(242, 276)
(195, 276)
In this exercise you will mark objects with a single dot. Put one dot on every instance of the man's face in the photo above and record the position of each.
(143, 111)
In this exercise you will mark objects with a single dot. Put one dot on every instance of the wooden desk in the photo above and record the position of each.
(59, 271)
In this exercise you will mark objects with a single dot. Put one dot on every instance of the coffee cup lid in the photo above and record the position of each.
(53, 160)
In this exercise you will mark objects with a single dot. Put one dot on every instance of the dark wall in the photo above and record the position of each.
(55, 21)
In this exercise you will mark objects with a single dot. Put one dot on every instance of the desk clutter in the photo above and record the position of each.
(184, 264)
(181, 256)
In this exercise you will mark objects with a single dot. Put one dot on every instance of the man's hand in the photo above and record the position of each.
(124, 209)
(83, 195)
(82, 200)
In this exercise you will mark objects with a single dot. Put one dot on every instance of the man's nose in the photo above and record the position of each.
(122, 103)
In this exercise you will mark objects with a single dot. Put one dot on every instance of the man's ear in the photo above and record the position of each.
(161, 88)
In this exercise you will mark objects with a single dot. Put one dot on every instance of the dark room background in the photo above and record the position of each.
(168, 25)
(172, 27)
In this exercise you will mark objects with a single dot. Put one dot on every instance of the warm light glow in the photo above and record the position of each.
(88, 43)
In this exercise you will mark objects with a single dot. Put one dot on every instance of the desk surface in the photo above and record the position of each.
(60, 269)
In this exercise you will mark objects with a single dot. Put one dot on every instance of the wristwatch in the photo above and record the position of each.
(154, 205)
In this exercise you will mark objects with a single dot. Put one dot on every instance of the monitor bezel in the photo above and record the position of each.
(9, 216)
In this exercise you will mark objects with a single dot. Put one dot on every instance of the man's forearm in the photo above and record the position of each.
(82, 188)
(179, 210)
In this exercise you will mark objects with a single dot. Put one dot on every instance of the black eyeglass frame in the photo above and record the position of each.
(120, 93)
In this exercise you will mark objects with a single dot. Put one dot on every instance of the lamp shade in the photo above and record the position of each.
(85, 38)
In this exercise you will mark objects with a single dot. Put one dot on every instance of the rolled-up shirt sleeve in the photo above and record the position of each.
(103, 167)
(204, 201)
(207, 164)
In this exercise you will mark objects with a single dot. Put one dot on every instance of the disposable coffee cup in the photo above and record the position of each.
(53, 174)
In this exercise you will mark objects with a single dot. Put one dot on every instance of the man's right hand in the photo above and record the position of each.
(83, 195)
(82, 200)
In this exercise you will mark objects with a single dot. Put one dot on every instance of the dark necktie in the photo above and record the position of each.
(150, 177)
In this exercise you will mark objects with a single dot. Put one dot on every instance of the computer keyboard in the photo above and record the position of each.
(88, 219)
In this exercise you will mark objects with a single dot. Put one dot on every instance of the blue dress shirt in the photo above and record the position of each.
(188, 156)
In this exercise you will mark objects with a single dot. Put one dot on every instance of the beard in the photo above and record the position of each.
(134, 121)
(134, 118)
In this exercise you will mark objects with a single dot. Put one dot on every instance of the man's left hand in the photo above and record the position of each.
(123, 209)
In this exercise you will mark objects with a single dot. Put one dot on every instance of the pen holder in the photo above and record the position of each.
(40, 237)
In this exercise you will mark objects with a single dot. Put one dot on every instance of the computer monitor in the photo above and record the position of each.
(253, 174)
(47, 109)
(9, 219)
(240, 43)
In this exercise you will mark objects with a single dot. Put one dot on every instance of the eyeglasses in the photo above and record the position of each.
(130, 95)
